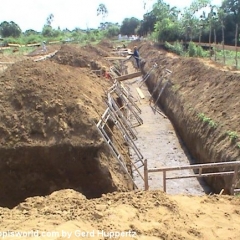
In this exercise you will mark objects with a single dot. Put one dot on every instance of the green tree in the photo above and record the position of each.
(221, 19)
(166, 30)
(233, 8)
(10, 29)
(112, 31)
(102, 10)
(48, 31)
(166, 27)
(129, 25)
(30, 32)
(189, 21)
(49, 20)
(147, 24)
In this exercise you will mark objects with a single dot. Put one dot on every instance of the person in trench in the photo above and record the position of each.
(136, 56)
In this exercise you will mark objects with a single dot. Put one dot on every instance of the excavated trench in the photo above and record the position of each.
(38, 171)
(195, 137)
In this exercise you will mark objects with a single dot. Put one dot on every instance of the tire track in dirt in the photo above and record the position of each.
(159, 144)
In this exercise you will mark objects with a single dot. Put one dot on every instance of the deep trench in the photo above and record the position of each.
(40, 170)
(170, 104)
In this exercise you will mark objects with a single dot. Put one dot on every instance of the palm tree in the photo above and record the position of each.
(102, 10)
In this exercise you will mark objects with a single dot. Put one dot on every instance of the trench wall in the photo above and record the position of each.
(204, 143)
(40, 170)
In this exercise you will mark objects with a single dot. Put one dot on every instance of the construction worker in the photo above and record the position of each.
(136, 56)
(44, 48)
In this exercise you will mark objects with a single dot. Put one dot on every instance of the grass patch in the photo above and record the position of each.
(208, 120)
(232, 135)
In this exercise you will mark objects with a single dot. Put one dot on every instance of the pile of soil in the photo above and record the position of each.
(136, 215)
(49, 140)
(106, 44)
(42, 102)
(86, 56)
(39, 50)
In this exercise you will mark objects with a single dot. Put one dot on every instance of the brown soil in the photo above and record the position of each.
(137, 215)
(49, 142)
(197, 87)
(47, 128)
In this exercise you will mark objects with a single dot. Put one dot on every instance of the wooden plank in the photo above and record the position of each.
(14, 45)
(4, 48)
(33, 45)
(140, 93)
(53, 42)
(129, 76)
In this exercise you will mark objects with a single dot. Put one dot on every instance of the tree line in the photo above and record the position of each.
(201, 21)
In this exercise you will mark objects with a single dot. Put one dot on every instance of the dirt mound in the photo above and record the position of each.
(135, 215)
(42, 102)
(49, 140)
(87, 56)
(106, 44)
(38, 51)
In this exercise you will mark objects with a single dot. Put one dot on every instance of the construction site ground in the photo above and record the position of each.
(58, 179)
(160, 146)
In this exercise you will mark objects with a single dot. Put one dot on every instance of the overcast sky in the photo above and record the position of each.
(32, 14)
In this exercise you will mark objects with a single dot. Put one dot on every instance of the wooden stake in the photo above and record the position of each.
(139, 91)
(146, 186)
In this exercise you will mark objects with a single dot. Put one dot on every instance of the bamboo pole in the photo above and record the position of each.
(203, 175)
(196, 166)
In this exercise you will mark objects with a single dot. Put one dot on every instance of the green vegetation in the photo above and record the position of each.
(208, 120)
(232, 135)
(177, 47)
(195, 51)
(192, 51)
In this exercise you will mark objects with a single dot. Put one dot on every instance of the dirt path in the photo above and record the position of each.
(160, 145)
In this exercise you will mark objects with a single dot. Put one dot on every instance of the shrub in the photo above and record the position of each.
(200, 51)
(192, 49)
(176, 48)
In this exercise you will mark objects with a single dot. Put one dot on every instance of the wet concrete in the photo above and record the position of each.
(160, 145)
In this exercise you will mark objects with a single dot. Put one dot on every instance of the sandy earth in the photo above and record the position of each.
(136, 215)
(67, 213)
